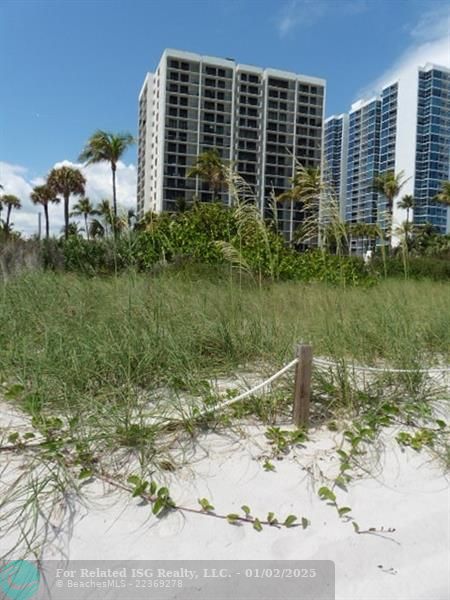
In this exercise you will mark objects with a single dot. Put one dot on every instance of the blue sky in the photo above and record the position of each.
(69, 67)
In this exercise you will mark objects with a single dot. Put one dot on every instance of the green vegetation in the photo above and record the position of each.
(103, 146)
(70, 340)
(111, 342)
(84, 208)
(114, 371)
(66, 182)
(444, 195)
(44, 195)
(210, 169)
(210, 234)
(9, 202)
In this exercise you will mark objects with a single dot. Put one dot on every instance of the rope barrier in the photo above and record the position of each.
(250, 392)
(316, 361)
(329, 363)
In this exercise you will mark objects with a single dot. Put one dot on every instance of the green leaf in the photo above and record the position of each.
(246, 509)
(163, 492)
(232, 517)
(340, 482)
(205, 504)
(271, 518)
(158, 506)
(441, 424)
(153, 487)
(290, 520)
(268, 466)
(326, 494)
(134, 480)
(14, 391)
(305, 522)
(343, 510)
(139, 490)
(28, 436)
(85, 474)
(355, 526)
(13, 437)
(257, 525)
(298, 436)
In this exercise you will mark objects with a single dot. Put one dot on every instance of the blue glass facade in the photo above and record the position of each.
(332, 151)
(384, 136)
(363, 162)
(432, 146)
(388, 128)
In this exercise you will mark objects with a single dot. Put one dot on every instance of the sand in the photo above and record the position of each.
(405, 490)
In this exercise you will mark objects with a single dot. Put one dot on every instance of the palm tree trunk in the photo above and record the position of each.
(113, 169)
(214, 192)
(86, 226)
(8, 215)
(66, 216)
(291, 224)
(47, 226)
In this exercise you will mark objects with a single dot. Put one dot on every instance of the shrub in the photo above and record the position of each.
(210, 234)
(418, 267)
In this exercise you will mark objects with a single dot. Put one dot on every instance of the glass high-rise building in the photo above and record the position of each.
(432, 146)
(363, 161)
(404, 129)
(335, 149)
(261, 120)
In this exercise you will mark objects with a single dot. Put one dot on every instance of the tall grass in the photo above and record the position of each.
(105, 364)
(67, 338)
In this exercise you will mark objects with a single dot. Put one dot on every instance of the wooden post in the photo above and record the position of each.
(302, 391)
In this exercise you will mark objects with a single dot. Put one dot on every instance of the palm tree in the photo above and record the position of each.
(73, 230)
(210, 167)
(103, 146)
(10, 201)
(43, 195)
(66, 181)
(407, 203)
(131, 217)
(84, 208)
(96, 229)
(444, 195)
(389, 185)
(307, 188)
(105, 211)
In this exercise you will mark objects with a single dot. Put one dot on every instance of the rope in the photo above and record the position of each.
(316, 361)
(258, 387)
(329, 363)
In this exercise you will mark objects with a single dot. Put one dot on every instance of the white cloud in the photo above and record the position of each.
(297, 13)
(99, 186)
(13, 180)
(430, 43)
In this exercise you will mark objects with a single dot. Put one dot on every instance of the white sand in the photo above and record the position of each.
(408, 492)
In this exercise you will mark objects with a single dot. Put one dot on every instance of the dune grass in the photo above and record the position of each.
(69, 338)
(101, 365)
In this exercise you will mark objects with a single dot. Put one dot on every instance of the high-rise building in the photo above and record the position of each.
(404, 129)
(335, 149)
(261, 120)
(432, 143)
(363, 161)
